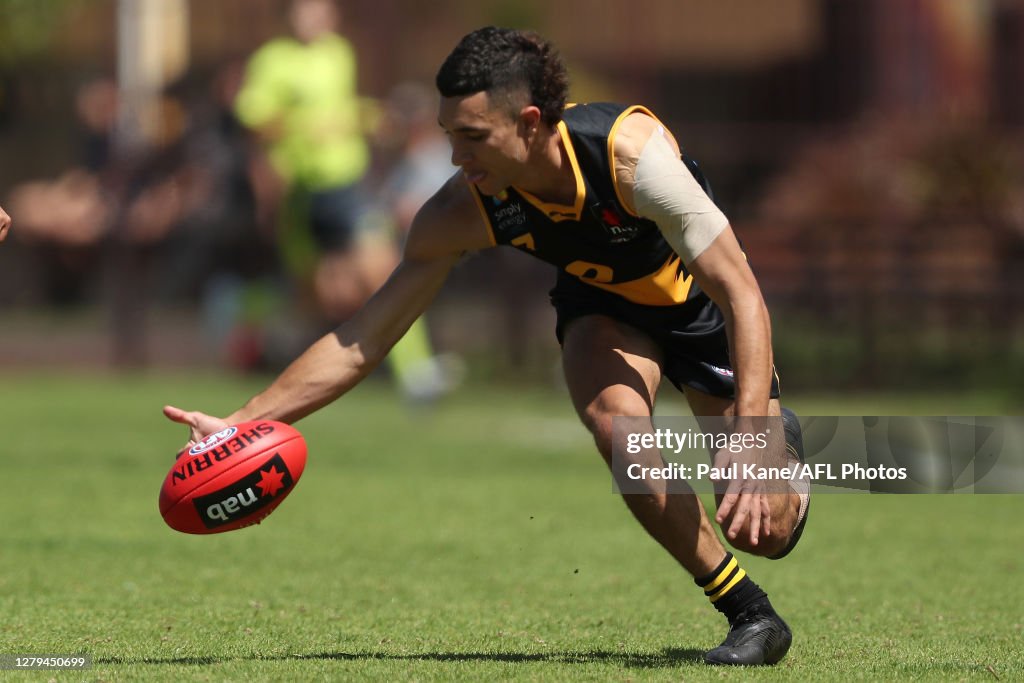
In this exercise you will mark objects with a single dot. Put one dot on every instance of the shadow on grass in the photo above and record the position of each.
(666, 658)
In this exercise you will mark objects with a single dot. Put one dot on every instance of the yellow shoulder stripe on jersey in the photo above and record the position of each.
(483, 213)
(611, 147)
(562, 212)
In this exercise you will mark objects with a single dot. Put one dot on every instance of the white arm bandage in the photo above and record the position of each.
(665, 192)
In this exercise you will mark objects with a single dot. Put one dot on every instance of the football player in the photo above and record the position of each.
(652, 285)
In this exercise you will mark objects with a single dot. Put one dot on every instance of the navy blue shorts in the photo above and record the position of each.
(335, 216)
(691, 336)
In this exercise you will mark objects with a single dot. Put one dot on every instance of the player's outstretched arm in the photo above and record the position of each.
(657, 185)
(723, 273)
(338, 361)
(5, 224)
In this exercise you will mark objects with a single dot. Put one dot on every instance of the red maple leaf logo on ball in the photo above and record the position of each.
(270, 481)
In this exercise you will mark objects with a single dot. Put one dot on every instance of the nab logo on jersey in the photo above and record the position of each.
(246, 495)
(614, 223)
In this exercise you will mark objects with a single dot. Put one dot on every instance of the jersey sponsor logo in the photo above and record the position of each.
(508, 217)
(614, 223)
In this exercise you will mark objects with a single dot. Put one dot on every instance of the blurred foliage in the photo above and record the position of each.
(515, 13)
(28, 26)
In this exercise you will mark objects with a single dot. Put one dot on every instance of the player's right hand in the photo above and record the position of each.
(743, 504)
(200, 425)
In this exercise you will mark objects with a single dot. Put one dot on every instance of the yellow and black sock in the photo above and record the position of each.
(730, 589)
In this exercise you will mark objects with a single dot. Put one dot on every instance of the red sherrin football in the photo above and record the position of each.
(233, 478)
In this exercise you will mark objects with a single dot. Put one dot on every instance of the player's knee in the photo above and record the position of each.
(794, 433)
(741, 542)
(767, 546)
(598, 417)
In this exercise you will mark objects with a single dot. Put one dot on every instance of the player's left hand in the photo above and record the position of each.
(200, 425)
(5, 224)
(745, 500)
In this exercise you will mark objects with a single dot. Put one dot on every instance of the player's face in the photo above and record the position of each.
(487, 144)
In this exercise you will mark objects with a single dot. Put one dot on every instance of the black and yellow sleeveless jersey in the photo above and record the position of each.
(596, 239)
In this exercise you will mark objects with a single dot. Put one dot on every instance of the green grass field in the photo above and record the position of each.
(475, 541)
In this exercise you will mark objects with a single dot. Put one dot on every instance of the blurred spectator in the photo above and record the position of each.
(223, 250)
(214, 226)
(424, 161)
(169, 220)
(65, 218)
(96, 106)
(188, 228)
(409, 127)
(299, 95)
(192, 178)
(73, 210)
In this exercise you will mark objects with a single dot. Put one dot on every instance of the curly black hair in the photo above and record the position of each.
(506, 63)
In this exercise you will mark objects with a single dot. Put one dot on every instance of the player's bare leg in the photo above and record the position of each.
(614, 370)
(757, 628)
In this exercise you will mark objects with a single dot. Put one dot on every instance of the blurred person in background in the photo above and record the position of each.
(300, 98)
(109, 198)
(652, 286)
(217, 250)
(171, 219)
(65, 219)
(420, 165)
(423, 161)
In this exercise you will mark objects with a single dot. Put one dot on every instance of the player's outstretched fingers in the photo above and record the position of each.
(746, 521)
(176, 415)
(743, 516)
(766, 516)
(200, 424)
